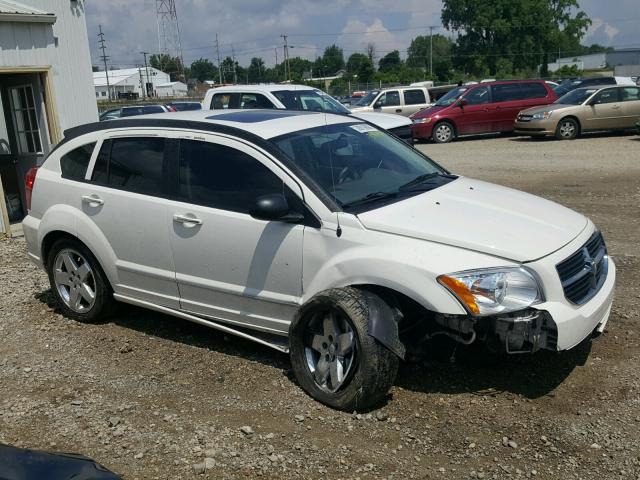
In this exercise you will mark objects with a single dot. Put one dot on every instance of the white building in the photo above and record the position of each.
(129, 80)
(171, 89)
(592, 61)
(45, 86)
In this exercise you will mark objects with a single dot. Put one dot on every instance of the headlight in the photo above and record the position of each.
(542, 116)
(494, 290)
(422, 120)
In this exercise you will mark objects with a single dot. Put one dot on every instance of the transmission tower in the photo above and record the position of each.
(169, 32)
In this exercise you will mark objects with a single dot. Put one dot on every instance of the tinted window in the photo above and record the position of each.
(254, 100)
(478, 96)
(221, 101)
(153, 109)
(221, 177)
(506, 92)
(414, 97)
(133, 164)
(314, 100)
(390, 99)
(630, 94)
(532, 90)
(74, 164)
(607, 96)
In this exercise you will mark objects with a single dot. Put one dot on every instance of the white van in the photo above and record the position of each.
(399, 100)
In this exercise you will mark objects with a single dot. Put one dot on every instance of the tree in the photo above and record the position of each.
(331, 61)
(521, 31)
(391, 61)
(229, 69)
(203, 69)
(419, 54)
(167, 64)
(370, 50)
(359, 65)
(255, 72)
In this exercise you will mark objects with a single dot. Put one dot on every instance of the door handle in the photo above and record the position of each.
(398, 110)
(615, 107)
(92, 200)
(186, 219)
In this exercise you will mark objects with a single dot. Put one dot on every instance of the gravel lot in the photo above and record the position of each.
(150, 396)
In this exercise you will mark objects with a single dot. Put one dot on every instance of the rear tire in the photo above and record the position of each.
(334, 358)
(567, 129)
(443, 132)
(78, 283)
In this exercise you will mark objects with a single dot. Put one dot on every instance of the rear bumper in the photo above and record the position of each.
(30, 226)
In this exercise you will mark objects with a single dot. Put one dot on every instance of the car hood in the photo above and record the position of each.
(483, 217)
(386, 121)
(547, 108)
(428, 112)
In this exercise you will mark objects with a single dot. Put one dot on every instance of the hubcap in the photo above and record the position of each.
(567, 129)
(443, 133)
(74, 280)
(330, 349)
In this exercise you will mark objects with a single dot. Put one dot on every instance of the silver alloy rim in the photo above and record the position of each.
(331, 350)
(567, 129)
(74, 280)
(443, 132)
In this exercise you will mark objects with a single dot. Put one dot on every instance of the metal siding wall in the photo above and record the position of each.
(25, 44)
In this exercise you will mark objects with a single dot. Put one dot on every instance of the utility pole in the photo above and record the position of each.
(146, 73)
(104, 59)
(431, 51)
(219, 66)
(141, 80)
(286, 58)
(233, 57)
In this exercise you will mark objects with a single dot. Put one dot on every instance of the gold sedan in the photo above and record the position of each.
(583, 110)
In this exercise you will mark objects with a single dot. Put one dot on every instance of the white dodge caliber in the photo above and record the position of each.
(316, 234)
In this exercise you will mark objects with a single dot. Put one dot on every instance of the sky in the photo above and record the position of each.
(251, 28)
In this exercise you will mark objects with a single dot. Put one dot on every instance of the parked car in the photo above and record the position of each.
(317, 234)
(583, 110)
(480, 108)
(297, 97)
(571, 84)
(399, 100)
(133, 110)
(184, 106)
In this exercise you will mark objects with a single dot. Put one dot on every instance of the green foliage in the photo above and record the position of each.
(256, 71)
(521, 31)
(203, 69)
(330, 63)
(359, 65)
(391, 61)
(419, 54)
(167, 64)
(568, 71)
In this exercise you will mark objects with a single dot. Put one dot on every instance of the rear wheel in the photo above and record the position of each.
(567, 129)
(443, 132)
(78, 283)
(334, 358)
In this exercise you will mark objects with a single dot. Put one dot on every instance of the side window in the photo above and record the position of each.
(223, 101)
(477, 96)
(390, 99)
(506, 92)
(630, 94)
(414, 97)
(133, 164)
(152, 109)
(532, 90)
(254, 100)
(74, 164)
(222, 177)
(609, 95)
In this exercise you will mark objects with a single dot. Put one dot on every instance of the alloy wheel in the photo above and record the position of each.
(567, 129)
(74, 280)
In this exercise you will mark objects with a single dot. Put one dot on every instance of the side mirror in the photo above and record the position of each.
(462, 102)
(377, 105)
(274, 207)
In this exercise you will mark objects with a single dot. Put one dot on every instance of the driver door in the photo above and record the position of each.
(229, 265)
(476, 115)
(389, 102)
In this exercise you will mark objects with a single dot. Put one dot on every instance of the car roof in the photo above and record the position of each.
(601, 87)
(269, 87)
(265, 124)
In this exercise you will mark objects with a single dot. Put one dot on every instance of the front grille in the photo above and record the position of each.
(584, 272)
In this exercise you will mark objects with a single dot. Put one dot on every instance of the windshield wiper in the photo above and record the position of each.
(423, 178)
(369, 198)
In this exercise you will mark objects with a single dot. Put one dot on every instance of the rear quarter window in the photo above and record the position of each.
(414, 97)
(73, 165)
(533, 90)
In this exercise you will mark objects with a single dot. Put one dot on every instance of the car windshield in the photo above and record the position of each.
(360, 166)
(367, 99)
(314, 100)
(576, 97)
(450, 97)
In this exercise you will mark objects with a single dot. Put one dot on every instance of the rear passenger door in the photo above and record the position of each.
(414, 100)
(505, 105)
(229, 265)
(124, 200)
(630, 106)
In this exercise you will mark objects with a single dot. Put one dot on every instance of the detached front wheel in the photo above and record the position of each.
(334, 358)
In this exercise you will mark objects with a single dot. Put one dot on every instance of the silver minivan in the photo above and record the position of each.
(399, 100)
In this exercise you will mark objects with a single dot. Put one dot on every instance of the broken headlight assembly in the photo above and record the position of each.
(495, 290)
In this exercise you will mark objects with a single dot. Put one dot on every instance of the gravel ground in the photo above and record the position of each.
(153, 397)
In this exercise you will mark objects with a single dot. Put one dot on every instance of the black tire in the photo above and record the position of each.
(373, 369)
(443, 132)
(104, 303)
(567, 129)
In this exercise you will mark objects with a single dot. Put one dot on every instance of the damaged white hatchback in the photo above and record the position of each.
(316, 234)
